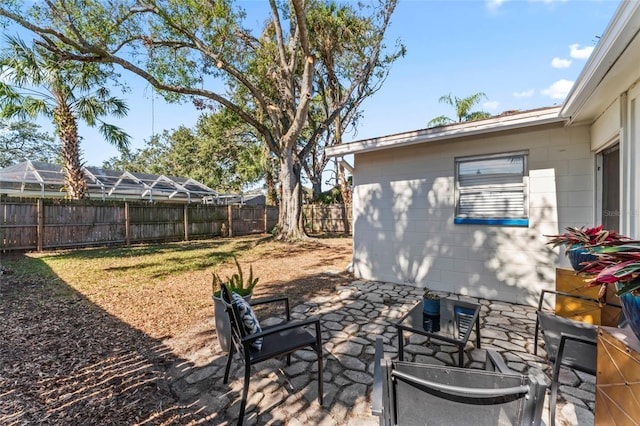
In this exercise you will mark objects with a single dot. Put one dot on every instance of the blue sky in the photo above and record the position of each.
(523, 54)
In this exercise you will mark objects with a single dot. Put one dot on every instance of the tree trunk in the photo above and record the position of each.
(290, 223)
(316, 185)
(346, 199)
(76, 184)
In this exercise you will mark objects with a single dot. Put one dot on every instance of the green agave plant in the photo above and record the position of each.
(235, 282)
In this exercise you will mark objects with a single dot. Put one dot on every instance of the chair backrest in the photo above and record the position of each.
(237, 329)
(430, 394)
(580, 350)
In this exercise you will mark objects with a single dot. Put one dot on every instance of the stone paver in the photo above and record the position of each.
(351, 320)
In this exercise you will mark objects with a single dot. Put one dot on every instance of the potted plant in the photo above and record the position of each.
(613, 260)
(619, 265)
(430, 303)
(578, 241)
(237, 284)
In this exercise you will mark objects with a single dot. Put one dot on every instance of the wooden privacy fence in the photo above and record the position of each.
(41, 224)
(334, 218)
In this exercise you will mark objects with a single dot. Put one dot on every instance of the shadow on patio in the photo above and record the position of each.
(64, 360)
(351, 320)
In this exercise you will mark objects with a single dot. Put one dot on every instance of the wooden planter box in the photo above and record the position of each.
(617, 377)
(583, 310)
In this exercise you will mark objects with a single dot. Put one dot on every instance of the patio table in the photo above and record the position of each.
(453, 325)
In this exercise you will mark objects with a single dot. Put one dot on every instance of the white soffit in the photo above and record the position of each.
(501, 123)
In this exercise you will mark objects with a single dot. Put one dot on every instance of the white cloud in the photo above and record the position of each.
(560, 63)
(578, 52)
(525, 94)
(491, 105)
(494, 5)
(559, 89)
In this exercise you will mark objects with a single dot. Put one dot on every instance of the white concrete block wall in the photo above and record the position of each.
(404, 211)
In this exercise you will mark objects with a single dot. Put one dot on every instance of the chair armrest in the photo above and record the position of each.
(495, 362)
(282, 327)
(284, 299)
(269, 300)
(575, 337)
(376, 395)
(574, 296)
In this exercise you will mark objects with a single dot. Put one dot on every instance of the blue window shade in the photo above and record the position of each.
(492, 221)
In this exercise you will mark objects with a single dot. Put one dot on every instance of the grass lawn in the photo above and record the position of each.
(163, 289)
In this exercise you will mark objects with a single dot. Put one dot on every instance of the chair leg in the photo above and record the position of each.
(289, 359)
(228, 366)
(535, 338)
(320, 380)
(554, 393)
(245, 392)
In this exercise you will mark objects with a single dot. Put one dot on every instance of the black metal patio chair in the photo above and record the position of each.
(409, 393)
(568, 342)
(275, 341)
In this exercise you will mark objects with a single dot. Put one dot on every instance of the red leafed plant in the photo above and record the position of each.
(585, 237)
(618, 257)
(616, 264)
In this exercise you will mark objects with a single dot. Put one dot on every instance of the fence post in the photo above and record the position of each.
(312, 211)
(40, 231)
(265, 218)
(127, 224)
(186, 222)
(230, 220)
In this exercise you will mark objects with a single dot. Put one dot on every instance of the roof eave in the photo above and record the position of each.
(480, 127)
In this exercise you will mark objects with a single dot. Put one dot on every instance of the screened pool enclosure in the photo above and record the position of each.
(44, 180)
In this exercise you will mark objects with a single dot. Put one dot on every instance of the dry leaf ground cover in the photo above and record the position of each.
(87, 335)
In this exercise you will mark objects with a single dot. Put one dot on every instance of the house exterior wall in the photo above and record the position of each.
(403, 210)
(630, 158)
(606, 128)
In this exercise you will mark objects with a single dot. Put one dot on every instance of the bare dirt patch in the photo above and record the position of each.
(74, 351)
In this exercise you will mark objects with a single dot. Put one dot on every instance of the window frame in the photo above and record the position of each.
(521, 220)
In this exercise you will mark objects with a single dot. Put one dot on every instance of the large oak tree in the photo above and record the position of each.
(190, 47)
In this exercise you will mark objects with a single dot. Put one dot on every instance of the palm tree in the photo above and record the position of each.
(463, 109)
(36, 82)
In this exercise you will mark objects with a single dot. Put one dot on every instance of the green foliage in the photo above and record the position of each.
(37, 82)
(267, 76)
(22, 140)
(221, 151)
(332, 196)
(235, 282)
(428, 294)
(463, 109)
(349, 48)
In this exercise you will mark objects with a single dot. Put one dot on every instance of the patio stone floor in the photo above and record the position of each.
(351, 320)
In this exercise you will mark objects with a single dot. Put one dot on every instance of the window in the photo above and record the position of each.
(492, 189)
